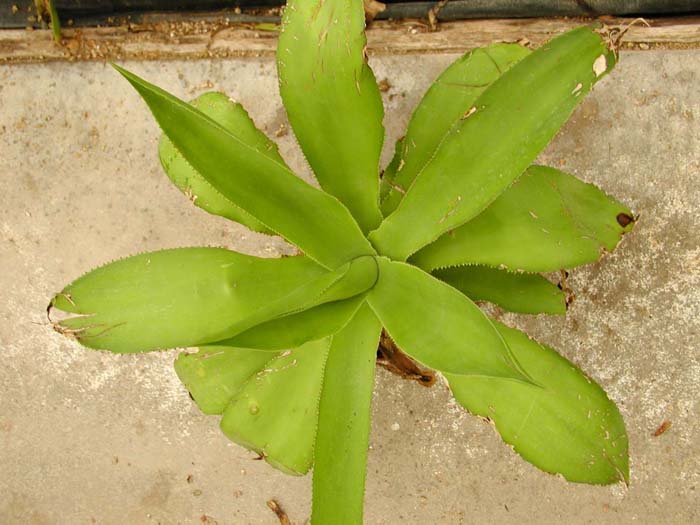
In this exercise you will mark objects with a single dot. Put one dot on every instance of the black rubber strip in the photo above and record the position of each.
(20, 13)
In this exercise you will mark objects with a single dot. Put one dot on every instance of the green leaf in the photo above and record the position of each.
(361, 275)
(275, 413)
(566, 426)
(546, 221)
(437, 325)
(503, 132)
(233, 118)
(294, 330)
(313, 220)
(309, 312)
(344, 422)
(349, 280)
(388, 174)
(333, 101)
(517, 292)
(214, 374)
(452, 95)
(182, 297)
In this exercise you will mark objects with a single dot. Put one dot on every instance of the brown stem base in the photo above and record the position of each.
(391, 358)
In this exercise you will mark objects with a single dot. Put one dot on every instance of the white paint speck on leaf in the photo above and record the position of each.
(600, 65)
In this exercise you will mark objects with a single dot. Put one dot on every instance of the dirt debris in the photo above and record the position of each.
(282, 130)
(281, 514)
(433, 14)
(391, 358)
(373, 8)
(663, 427)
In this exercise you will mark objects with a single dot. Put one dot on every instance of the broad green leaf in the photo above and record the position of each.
(214, 374)
(313, 220)
(525, 293)
(444, 104)
(181, 297)
(344, 419)
(361, 275)
(275, 413)
(499, 136)
(437, 325)
(233, 118)
(349, 280)
(566, 426)
(333, 101)
(546, 221)
(294, 330)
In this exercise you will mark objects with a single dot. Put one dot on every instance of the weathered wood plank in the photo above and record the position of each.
(200, 39)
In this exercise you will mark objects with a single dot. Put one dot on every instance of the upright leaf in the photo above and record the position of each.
(233, 118)
(344, 419)
(525, 293)
(444, 104)
(546, 221)
(567, 425)
(181, 297)
(313, 220)
(276, 412)
(437, 325)
(333, 101)
(508, 126)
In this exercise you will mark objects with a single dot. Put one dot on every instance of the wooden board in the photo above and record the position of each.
(211, 38)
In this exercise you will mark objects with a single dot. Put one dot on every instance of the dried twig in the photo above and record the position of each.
(281, 515)
(372, 9)
(433, 14)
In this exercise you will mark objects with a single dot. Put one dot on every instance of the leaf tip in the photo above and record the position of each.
(119, 69)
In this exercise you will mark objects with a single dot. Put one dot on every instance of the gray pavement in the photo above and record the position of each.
(89, 437)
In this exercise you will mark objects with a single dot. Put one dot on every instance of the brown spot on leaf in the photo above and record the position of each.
(564, 287)
(468, 113)
(624, 220)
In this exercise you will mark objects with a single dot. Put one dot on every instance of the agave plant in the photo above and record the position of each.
(287, 347)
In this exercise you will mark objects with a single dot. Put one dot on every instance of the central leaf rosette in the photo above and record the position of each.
(287, 346)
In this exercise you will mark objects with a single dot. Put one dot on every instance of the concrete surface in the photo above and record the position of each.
(88, 437)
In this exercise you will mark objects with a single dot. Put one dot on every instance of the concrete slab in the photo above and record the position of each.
(88, 437)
